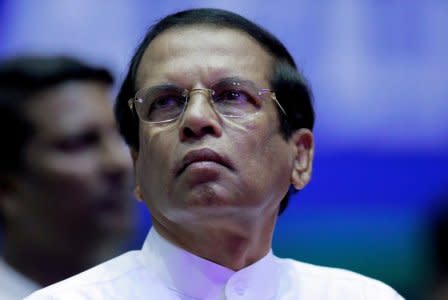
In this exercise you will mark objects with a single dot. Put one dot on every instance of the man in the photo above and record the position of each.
(218, 120)
(65, 174)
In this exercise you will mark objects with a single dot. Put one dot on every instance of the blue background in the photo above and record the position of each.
(378, 73)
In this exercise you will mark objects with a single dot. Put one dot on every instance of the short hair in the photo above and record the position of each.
(20, 78)
(286, 81)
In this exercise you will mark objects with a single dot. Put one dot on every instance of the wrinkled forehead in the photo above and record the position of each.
(202, 53)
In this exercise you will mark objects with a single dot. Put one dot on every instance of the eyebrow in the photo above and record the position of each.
(229, 79)
(235, 79)
(172, 85)
(164, 86)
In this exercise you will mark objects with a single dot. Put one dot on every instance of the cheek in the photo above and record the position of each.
(257, 142)
(263, 154)
(153, 164)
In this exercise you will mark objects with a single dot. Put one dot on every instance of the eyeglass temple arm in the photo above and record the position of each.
(278, 103)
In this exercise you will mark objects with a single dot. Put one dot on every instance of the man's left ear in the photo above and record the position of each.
(303, 144)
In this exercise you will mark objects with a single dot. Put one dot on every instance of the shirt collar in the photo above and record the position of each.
(197, 277)
(13, 283)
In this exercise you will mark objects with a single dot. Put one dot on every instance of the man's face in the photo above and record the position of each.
(204, 165)
(76, 179)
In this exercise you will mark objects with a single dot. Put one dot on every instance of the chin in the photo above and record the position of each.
(206, 196)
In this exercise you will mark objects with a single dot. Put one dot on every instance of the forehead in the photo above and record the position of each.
(202, 53)
(67, 108)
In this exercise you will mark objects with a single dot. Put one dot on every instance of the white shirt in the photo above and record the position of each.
(14, 285)
(162, 271)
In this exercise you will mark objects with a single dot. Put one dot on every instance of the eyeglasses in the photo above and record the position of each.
(230, 97)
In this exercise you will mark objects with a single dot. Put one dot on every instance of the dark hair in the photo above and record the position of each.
(20, 78)
(289, 85)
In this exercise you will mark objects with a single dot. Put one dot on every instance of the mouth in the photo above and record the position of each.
(201, 155)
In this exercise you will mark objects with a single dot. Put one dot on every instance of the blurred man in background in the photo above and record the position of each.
(65, 174)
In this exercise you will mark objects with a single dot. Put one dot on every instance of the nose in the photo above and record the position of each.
(199, 118)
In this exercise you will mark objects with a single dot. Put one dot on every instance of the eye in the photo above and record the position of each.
(232, 96)
(167, 102)
(164, 107)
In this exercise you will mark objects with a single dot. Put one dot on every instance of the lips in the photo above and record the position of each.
(200, 156)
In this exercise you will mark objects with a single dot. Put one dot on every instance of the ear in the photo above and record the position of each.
(137, 191)
(303, 152)
(134, 155)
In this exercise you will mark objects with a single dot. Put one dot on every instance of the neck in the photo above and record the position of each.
(44, 266)
(234, 245)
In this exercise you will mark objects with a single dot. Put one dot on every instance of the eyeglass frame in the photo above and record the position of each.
(187, 92)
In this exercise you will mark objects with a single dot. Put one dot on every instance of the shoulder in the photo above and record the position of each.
(347, 284)
(96, 283)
